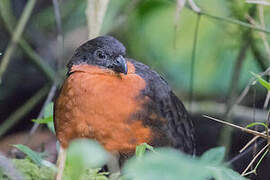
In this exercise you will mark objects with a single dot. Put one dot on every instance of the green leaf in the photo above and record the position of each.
(48, 111)
(164, 164)
(48, 118)
(34, 156)
(262, 81)
(140, 149)
(43, 120)
(171, 164)
(223, 173)
(83, 154)
(214, 155)
(255, 124)
(259, 162)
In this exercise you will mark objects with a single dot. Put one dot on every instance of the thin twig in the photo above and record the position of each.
(232, 21)
(242, 114)
(238, 127)
(24, 109)
(260, 2)
(225, 135)
(193, 58)
(252, 161)
(249, 143)
(16, 36)
(60, 37)
(60, 40)
(242, 154)
(47, 101)
(34, 58)
(193, 6)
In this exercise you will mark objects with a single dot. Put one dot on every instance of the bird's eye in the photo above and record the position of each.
(100, 54)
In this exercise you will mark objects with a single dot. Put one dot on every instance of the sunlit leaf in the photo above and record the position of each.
(48, 118)
(140, 150)
(262, 81)
(255, 124)
(43, 120)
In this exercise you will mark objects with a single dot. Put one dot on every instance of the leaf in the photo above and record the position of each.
(83, 154)
(34, 156)
(48, 118)
(214, 155)
(171, 164)
(223, 173)
(51, 127)
(43, 120)
(48, 111)
(165, 164)
(255, 124)
(262, 81)
(140, 149)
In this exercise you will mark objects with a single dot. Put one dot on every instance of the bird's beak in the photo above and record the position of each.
(120, 64)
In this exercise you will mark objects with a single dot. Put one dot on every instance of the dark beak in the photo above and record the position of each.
(120, 65)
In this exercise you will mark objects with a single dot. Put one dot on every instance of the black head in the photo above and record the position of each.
(103, 51)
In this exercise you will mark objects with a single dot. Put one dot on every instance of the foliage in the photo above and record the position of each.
(47, 117)
(171, 164)
(140, 150)
(84, 154)
(263, 82)
(34, 156)
(31, 171)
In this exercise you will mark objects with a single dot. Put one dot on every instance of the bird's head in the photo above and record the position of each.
(104, 51)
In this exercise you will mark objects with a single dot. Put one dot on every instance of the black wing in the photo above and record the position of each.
(177, 127)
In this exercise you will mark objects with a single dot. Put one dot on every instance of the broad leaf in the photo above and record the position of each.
(83, 154)
(214, 155)
(170, 164)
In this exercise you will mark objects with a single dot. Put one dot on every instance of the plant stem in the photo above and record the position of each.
(9, 22)
(24, 109)
(193, 58)
(95, 13)
(16, 36)
(225, 135)
(232, 21)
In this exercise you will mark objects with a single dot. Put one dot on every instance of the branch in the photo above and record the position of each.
(193, 58)
(33, 56)
(238, 127)
(238, 112)
(16, 36)
(232, 21)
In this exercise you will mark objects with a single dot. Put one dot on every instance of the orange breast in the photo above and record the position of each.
(98, 104)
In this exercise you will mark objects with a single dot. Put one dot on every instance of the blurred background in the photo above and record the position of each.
(206, 57)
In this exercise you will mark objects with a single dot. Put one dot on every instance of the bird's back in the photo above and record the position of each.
(173, 121)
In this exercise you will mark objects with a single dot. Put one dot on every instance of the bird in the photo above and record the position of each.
(118, 102)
